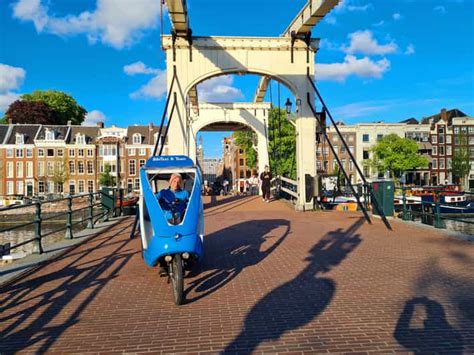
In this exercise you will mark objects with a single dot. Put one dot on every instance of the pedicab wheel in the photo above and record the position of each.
(177, 282)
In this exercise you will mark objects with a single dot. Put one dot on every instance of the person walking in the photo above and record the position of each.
(266, 177)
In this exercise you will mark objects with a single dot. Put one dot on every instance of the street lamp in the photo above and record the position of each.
(288, 105)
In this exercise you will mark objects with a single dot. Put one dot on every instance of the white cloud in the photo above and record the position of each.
(380, 23)
(139, 68)
(364, 67)
(331, 20)
(396, 16)
(364, 43)
(410, 49)
(219, 89)
(440, 10)
(154, 89)
(93, 117)
(118, 23)
(11, 79)
(351, 6)
(361, 109)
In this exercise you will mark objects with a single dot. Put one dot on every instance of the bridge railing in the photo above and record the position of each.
(285, 187)
(64, 213)
(435, 212)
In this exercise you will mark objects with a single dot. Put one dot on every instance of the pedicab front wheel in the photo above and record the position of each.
(177, 282)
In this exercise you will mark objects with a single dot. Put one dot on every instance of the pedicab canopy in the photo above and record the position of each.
(169, 161)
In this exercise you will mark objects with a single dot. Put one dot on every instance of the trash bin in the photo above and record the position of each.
(108, 198)
(383, 193)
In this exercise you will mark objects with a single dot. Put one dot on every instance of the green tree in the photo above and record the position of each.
(460, 163)
(281, 144)
(31, 112)
(396, 155)
(63, 104)
(60, 173)
(105, 178)
(245, 140)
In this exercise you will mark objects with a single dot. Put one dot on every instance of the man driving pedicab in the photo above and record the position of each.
(174, 199)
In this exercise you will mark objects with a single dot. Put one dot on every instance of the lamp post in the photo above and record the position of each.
(288, 105)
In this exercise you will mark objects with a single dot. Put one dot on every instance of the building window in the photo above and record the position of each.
(334, 165)
(336, 149)
(343, 149)
(450, 162)
(434, 139)
(49, 135)
(29, 152)
(435, 150)
(9, 169)
(81, 186)
(335, 138)
(80, 167)
(318, 165)
(9, 153)
(19, 139)
(441, 163)
(351, 138)
(137, 138)
(441, 139)
(72, 167)
(456, 130)
(441, 150)
(50, 152)
(19, 153)
(434, 164)
(90, 185)
(71, 153)
(10, 188)
(108, 150)
(80, 139)
(40, 168)
(72, 187)
(19, 187)
(80, 153)
(448, 150)
(129, 185)
(137, 184)
(448, 139)
(318, 152)
(241, 174)
(90, 167)
(365, 138)
(131, 167)
(142, 162)
(351, 165)
(19, 169)
(131, 151)
(365, 154)
(90, 152)
(464, 130)
(41, 187)
(29, 169)
(241, 161)
(41, 152)
(60, 187)
(351, 149)
(142, 151)
(50, 186)
(49, 168)
(343, 163)
(379, 137)
(60, 153)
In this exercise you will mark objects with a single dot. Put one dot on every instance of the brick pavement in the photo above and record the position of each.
(274, 280)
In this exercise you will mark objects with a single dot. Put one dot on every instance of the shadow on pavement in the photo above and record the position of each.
(300, 300)
(436, 334)
(231, 250)
(40, 317)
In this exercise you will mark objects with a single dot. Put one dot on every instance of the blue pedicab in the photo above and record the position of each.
(171, 222)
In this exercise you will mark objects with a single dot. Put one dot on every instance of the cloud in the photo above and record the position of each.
(154, 89)
(139, 68)
(117, 23)
(440, 10)
(380, 23)
(364, 43)
(351, 6)
(396, 16)
(93, 117)
(11, 78)
(364, 67)
(331, 20)
(219, 89)
(410, 49)
(361, 109)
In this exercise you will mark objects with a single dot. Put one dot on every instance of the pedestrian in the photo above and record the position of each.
(225, 185)
(265, 178)
(254, 184)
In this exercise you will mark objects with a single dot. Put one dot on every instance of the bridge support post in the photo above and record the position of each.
(69, 219)
(38, 245)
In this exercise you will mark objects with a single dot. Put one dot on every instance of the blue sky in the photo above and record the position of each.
(379, 59)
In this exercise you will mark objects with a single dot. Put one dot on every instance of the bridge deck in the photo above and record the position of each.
(273, 280)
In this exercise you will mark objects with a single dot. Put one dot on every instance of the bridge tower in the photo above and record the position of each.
(288, 59)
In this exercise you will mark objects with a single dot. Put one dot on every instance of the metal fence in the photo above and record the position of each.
(98, 206)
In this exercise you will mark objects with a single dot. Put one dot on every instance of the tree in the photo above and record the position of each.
(245, 140)
(461, 164)
(106, 179)
(396, 155)
(31, 112)
(282, 144)
(63, 104)
(60, 173)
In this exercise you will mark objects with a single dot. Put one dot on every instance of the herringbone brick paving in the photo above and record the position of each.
(273, 281)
